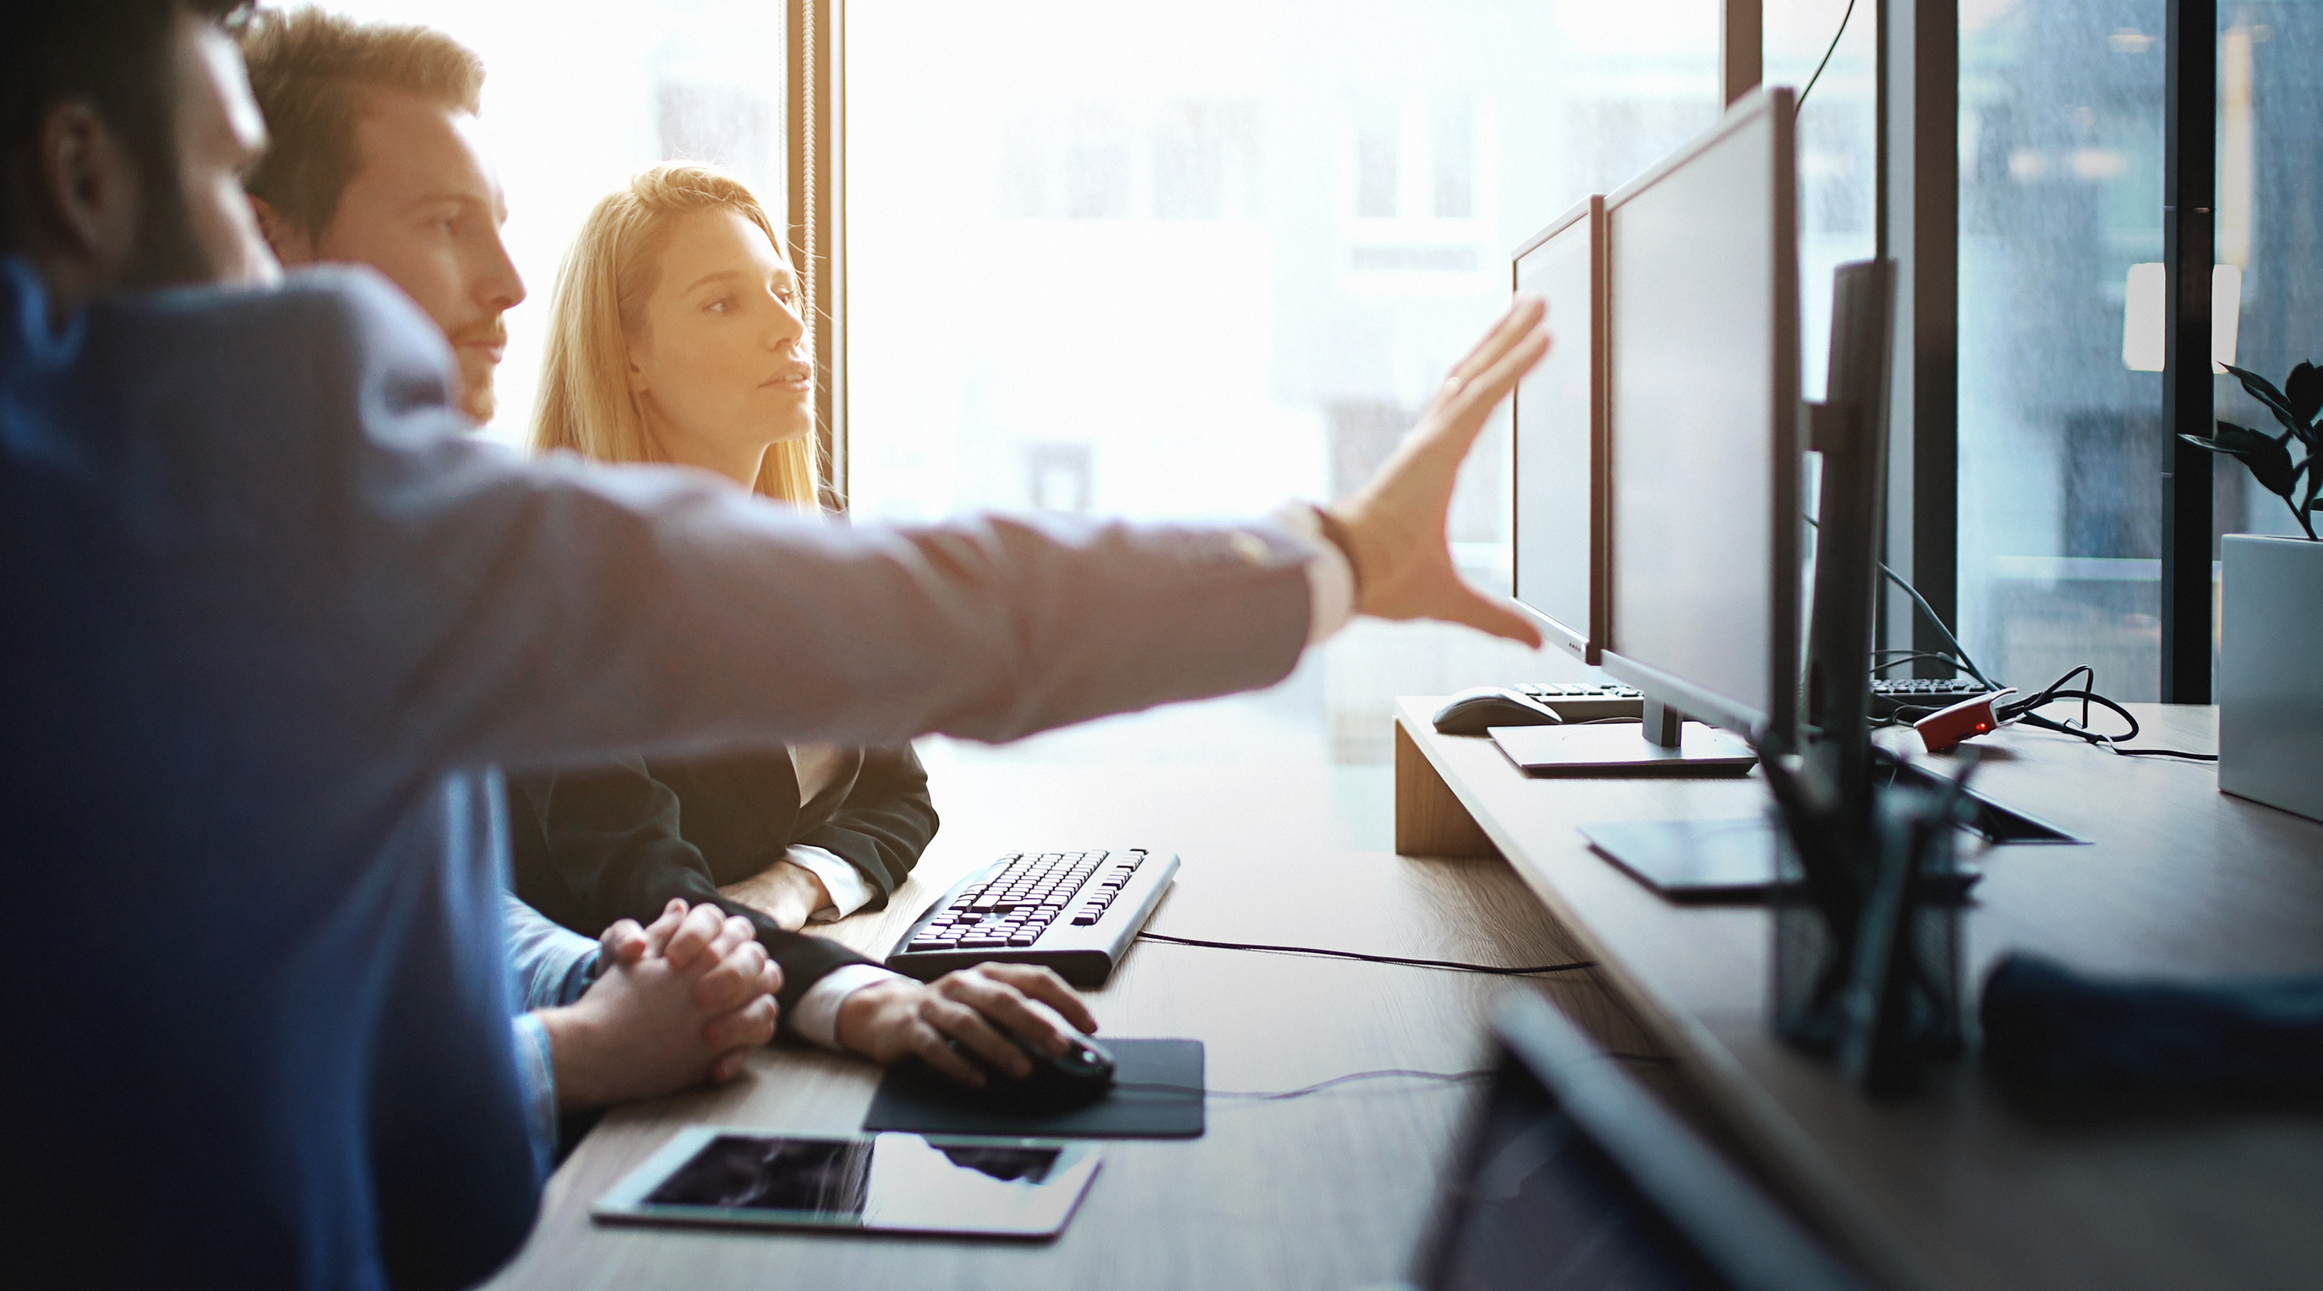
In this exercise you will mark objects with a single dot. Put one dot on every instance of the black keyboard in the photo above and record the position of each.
(1921, 695)
(1074, 912)
(1579, 703)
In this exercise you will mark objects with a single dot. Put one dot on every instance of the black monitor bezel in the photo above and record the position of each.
(1722, 1217)
(1586, 644)
(1788, 464)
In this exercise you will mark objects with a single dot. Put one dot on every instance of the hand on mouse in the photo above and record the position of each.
(894, 1020)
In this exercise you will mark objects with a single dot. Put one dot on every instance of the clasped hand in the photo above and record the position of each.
(679, 1001)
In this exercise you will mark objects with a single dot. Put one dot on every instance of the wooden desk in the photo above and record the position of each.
(1332, 1191)
(1959, 1187)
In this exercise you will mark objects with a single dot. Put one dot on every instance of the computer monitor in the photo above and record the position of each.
(1575, 1177)
(1702, 344)
(1558, 417)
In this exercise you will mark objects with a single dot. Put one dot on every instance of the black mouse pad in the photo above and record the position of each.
(915, 1100)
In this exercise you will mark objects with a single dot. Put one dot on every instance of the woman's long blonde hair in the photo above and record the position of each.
(585, 402)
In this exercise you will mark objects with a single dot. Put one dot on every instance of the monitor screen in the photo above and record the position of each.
(1703, 367)
(1558, 431)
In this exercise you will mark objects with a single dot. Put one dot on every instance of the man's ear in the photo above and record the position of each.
(284, 237)
(89, 192)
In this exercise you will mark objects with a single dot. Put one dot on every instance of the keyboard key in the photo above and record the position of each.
(1023, 939)
(982, 941)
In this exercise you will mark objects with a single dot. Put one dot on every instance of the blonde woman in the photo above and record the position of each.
(676, 337)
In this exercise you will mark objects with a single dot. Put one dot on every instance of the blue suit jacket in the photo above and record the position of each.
(267, 613)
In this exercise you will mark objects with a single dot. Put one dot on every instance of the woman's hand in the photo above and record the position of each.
(786, 893)
(894, 1020)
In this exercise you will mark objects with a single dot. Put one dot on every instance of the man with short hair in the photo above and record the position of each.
(373, 159)
(270, 605)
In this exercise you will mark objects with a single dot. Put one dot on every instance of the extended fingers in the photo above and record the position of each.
(1490, 614)
(1493, 382)
(1524, 314)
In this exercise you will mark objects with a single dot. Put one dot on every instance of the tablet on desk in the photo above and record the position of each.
(873, 1183)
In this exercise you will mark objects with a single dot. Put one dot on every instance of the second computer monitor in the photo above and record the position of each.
(1703, 413)
(1558, 412)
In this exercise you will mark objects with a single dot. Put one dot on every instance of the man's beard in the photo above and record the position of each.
(168, 253)
(477, 397)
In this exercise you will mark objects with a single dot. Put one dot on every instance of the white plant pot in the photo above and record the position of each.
(2270, 672)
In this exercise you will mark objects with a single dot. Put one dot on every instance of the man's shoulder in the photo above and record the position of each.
(342, 319)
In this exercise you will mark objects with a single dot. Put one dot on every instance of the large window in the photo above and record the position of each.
(1166, 259)
(2061, 439)
(1838, 142)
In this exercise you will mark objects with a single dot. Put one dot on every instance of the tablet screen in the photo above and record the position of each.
(892, 1182)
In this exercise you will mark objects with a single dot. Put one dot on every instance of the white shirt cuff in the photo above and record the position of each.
(849, 890)
(815, 1018)
(1330, 579)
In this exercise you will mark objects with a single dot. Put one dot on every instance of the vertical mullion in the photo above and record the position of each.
(1918, 226)
(1741, 48)
(2189, 178)
(814, 124)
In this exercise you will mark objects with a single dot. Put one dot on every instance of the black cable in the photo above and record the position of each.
(1912, 656)
(1941, 630)
(1958, 650)
(2026, 711)
(1492, 970)
(1802, 102)
(1272, 1096)
(1388, 1073)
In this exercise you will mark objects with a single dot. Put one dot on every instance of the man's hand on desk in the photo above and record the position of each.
(1392, 529)
(894, 1020)
(679, 1001)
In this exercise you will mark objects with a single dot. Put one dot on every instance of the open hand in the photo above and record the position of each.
(894, 1020)
(1393, 527)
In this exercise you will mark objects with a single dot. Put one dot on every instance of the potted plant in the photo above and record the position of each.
(2270, 649)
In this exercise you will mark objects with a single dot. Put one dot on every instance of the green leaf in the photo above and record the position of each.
(2304, 392)
(2264, 391)
(2269, 461)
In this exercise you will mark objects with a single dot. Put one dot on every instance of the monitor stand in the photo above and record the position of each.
(1664, 744)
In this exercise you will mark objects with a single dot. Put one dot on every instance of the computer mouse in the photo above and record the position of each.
(1480, 708)
(1077, 1078)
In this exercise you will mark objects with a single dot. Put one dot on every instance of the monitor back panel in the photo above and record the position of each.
(1703, 364)
(1559, 416)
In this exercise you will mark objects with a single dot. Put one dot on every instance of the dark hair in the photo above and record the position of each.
(115, 56)
(310, 70)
